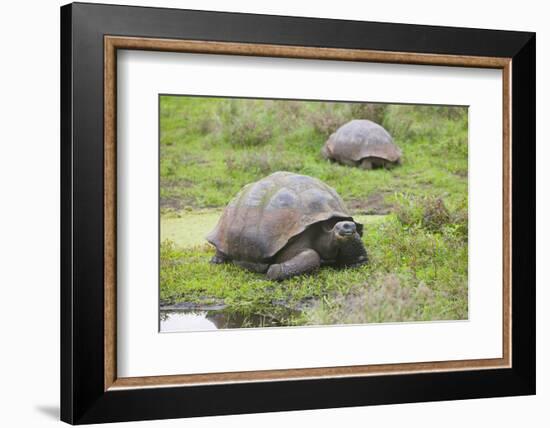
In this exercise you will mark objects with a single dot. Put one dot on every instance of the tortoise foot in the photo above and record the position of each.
(362, 261)
(275, 272)
(219, 258)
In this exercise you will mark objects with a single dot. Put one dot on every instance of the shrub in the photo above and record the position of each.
(247, 132)
(428, 212)
(431, 214)
(373, 112)
(408, 211)
(209, 124)
(459, 219)
(246, 123)
(436, 215)
(327, 118)
(289, 113)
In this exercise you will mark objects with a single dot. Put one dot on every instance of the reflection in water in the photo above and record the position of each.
(200, 320)
(185, 320)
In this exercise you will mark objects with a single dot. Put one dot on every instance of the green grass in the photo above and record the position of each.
(210, 148)
(203, 166)
(424, 274)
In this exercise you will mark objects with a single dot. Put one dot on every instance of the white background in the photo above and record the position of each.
(29, 220)
(142, 351)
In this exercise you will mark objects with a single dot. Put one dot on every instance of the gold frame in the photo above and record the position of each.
(112, 43)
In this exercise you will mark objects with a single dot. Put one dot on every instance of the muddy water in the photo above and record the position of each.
(196, 319)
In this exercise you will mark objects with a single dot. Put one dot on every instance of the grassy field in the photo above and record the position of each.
(415, 215)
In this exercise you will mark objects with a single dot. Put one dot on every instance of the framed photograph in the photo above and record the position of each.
(265, 213)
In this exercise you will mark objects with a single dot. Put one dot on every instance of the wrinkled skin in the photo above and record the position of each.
(333, 242)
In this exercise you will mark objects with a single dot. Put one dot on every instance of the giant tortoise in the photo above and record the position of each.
(285, 225)
(362, 143)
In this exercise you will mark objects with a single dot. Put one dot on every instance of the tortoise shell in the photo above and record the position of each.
(265, 215)
(360, 139)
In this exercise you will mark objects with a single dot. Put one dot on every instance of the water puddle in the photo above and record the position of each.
(216, 318)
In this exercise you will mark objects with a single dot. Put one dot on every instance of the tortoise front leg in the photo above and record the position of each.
(306, 261)
(366, 164)
(219, 258)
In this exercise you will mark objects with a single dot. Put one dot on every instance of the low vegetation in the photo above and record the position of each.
(417, 241)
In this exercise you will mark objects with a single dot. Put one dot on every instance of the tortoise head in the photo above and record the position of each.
(344, 230)
(341, 229)
(346, 234)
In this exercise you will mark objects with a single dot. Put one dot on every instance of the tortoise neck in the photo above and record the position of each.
(326, 244)
(352, 251)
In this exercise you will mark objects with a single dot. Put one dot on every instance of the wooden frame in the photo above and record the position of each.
(112, 43)
(517, 363)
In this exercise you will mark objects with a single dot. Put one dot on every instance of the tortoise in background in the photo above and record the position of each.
(285, 225)
(364, 144)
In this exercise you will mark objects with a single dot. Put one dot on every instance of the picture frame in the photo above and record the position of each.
(91, 391)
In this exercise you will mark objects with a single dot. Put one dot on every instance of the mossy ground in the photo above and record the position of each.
(418, 252)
